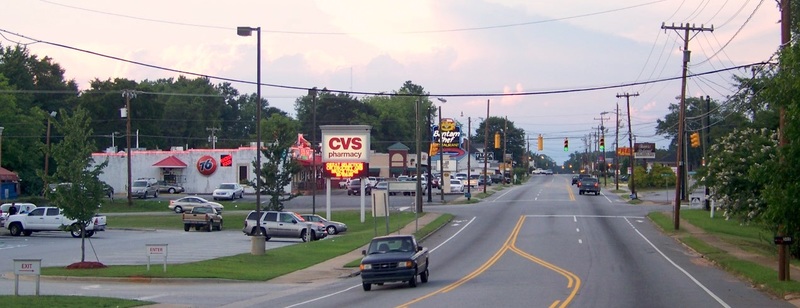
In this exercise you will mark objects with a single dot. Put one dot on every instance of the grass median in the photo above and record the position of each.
(274, 263)
(749, 238)
(64, 301)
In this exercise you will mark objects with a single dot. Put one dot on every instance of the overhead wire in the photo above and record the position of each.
(357, 33)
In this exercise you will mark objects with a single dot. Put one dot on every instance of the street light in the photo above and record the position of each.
(47, 152)
(258, 246)
(441, 151)
(313, 93)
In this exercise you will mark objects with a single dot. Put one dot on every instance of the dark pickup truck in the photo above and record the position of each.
(394, 258)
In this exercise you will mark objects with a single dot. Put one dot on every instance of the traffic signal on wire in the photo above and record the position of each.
(496, 140)
(566, 145)
(541, 143)
(602, 143)
(695, 138)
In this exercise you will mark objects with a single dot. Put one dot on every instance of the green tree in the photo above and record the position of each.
(734, 171)
(278, 167)
(81, 199)
(514, 139)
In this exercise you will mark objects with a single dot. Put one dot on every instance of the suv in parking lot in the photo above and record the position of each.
(284, 225)
(143, 188)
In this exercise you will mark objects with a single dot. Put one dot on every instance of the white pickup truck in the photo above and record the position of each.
(50, 219)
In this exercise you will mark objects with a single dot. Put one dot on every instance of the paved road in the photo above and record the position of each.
(536, 245)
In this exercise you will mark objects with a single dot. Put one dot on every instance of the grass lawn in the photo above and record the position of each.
(273, 263)
(750, 238)
(62, 301)
(168, 221)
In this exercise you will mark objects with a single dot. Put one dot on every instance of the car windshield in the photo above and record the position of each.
(226, 186)
(139, 184)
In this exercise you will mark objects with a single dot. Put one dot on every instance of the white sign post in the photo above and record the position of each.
(156, 250)
(29, 267)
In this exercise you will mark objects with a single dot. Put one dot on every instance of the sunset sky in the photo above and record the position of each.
(459, 50)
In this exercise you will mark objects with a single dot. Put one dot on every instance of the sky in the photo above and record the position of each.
(545, 56)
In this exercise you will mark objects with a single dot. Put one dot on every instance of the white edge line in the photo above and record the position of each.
(324, 296)
(358, 285)
(698, 283)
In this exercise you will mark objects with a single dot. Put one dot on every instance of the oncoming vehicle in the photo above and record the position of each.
(394, 258)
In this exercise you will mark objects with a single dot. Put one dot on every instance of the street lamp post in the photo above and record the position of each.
(441, 152)
(258, 246)
(47, 152)
(313, 93)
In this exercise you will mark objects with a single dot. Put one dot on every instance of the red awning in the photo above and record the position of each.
(8, 176)
(170, 162)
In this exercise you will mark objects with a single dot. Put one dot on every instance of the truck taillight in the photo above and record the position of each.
(96, 221)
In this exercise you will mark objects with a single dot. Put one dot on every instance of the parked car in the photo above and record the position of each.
(283, 224)
(171, 188)
(456, 186)
(484, 180)
(587, 185)
(228, 191)
(202, 218)
(143, 188)
(332, 227)
(186, 204)
(354, 188)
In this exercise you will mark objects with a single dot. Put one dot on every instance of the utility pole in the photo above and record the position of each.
(631, 160)
(784, 269)
(682, 115)
(505, 131)
(128, 94)
(213, 138)
(616, 149)
(485, 146)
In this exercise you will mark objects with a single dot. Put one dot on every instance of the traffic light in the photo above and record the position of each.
(602, 143)
(695, 138)
(496, 140)
(541, 142)
(566, 145)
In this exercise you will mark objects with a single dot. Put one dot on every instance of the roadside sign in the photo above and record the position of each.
(156, 250)
(783, 240)
(27, 267)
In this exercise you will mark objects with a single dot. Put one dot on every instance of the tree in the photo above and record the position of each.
(278, 166)
(514, 138)
(734, 171)
(80, 199)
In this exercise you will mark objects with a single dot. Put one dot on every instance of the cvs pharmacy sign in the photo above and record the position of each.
(345, 143)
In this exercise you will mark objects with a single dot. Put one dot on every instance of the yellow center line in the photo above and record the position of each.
(573, 281)
(571, 194)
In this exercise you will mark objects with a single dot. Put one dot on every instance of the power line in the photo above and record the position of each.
(360, 33)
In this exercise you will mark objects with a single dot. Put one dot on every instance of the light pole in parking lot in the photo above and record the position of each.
(258, 246)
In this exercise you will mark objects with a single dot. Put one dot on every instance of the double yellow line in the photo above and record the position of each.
(573, 281)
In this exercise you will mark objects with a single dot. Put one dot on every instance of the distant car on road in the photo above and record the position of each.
(587, 185)
(229, 191)
(186, 204)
